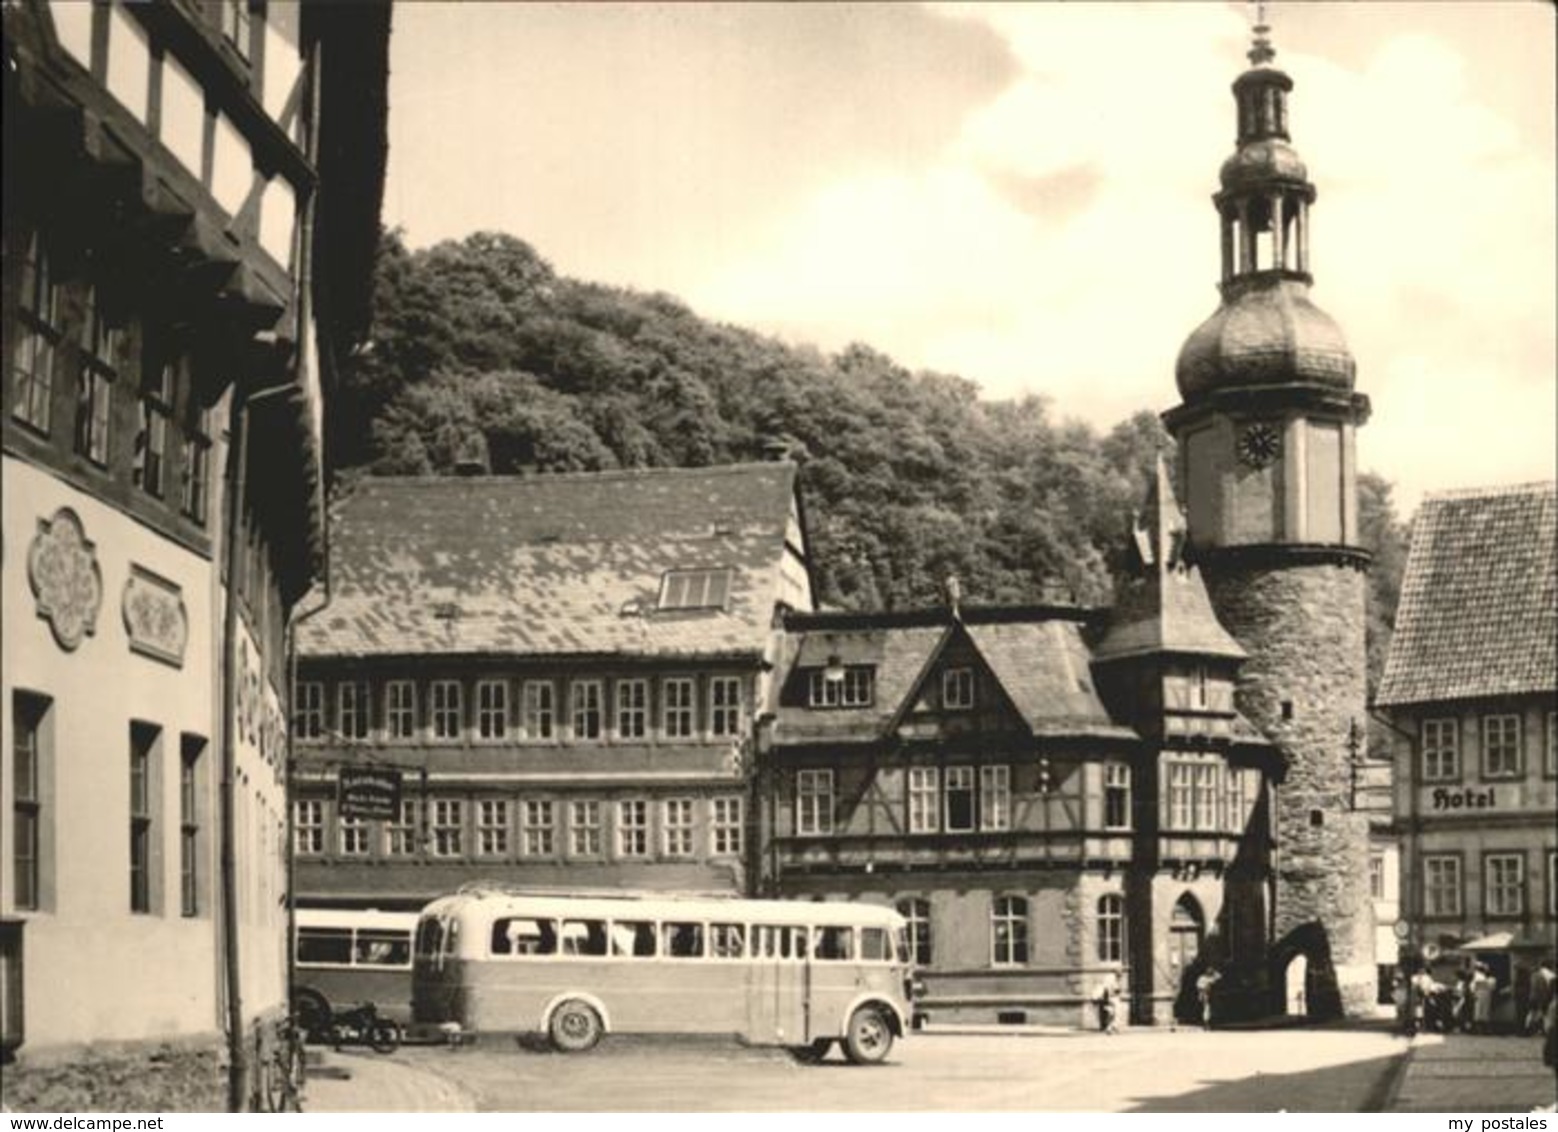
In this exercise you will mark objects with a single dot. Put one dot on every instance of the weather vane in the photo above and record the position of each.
(1261, 50)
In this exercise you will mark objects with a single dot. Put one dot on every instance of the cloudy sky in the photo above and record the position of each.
(1020, 193)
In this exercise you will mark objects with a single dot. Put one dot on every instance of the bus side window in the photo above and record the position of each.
(727, 941)
(873, 945)
(802, 937)
(683, 940)
(382, 949)
(430, 935)
(834, 943)
(633, 937)
(584, 937)
(521, 935)
(325, 946)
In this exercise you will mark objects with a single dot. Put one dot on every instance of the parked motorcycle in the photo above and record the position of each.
(361, 1025)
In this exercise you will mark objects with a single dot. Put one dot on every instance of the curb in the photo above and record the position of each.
(1398, 1076)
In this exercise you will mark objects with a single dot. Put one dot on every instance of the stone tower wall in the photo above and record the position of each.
(1303, 626)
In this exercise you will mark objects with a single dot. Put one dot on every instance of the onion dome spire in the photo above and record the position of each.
(1267, 332)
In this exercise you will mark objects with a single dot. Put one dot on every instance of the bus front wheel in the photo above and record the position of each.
(575, 1027)
(869, 1037)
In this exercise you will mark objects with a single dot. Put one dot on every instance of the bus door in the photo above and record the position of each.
(778, 986)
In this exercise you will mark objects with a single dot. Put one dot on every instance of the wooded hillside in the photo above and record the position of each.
(479, 347)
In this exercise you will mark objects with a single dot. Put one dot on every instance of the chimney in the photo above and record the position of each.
(776, 449)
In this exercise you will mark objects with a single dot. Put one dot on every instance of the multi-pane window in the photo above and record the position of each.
(156, 409)
(725, 827)
(29, 715)
(400, 709)
(1552, 884)
(1198, 686)
(959, 801)
(842, 687)
(1550, 758)
(1442, 886)
(1009, 931)
(1441, 750)
(632, 709)
(1206, 796)
(100, 346)
(916, 913)
(540, 709)
(924, 800)
(446, 709)
(492, 827)
(584, 829)
(195, 468)
(587, 708)
(677, 709)
(308, 827)
(695, 589)
(189, 824)
(995, 797)
(538, 827)
(957, 689)
(492, 709)
(354, 836)
(308, 713)
(1504, 884)
(1117, 796)
(446, 827)
(38, 336)
(401, 836)
(1180, 813)
(352, 709)
(1233, 799)
(725, 706)
(235, 23)
(676, 827)
(1376, 876)
(633, 828)
(1111, 928)
(144, 742)
(1501, 746)
(813, 802)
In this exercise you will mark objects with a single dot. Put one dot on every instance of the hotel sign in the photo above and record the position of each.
(1463, 798)
(368, 792)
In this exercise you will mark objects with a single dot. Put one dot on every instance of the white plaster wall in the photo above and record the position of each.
(73, 26)
(232, 166)
(183, 121)
(278, 218)
(282, 61)
(129, 62)
(94, 970)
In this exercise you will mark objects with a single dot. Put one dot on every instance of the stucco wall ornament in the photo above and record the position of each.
(155, 617)
(66, 580)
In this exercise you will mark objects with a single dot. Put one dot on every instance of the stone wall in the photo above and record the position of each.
(1304, 682)
(187, 1075)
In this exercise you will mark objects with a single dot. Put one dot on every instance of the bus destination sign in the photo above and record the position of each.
(368, 792)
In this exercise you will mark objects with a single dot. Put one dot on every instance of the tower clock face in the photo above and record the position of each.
(1259, 444)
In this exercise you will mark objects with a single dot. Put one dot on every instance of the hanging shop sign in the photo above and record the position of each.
(368, 792)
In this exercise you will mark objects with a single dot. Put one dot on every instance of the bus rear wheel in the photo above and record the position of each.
(868, 1038)
(575, 1027)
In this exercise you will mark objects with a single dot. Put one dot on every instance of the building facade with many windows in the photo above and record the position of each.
(161, 515)
(563, 672)
(1051, 796)
(1471, 688)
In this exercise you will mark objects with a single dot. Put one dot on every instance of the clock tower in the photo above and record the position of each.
(1266, 433)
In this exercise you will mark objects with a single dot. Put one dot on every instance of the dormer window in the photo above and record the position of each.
(235, 25)
(957, 689)
(843, 686)
(695, 589)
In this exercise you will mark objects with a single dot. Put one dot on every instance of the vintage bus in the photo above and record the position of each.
(572, 968)
(346, 957)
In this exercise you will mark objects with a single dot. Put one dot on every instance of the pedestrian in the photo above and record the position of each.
(1541, 994)
(1106, 998)
(1482, 987)
(1464, 999)
(1204, 986)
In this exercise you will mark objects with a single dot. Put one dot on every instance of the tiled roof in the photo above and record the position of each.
(555, 564)
(1479, 601)
(1163, 607)
(1041, 663)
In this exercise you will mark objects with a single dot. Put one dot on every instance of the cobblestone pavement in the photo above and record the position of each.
(1474, 1073)
(1138, 1071)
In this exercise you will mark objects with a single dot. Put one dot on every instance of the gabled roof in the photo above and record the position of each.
(1040, 660)
(1163, 607)
(553, 564)
(1479, 601)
